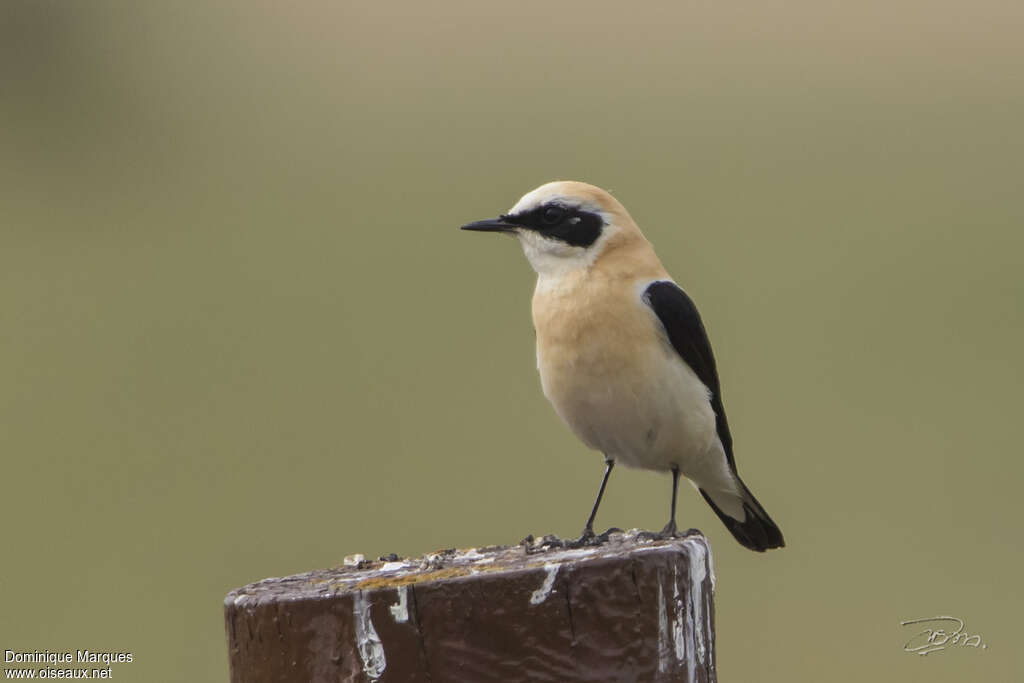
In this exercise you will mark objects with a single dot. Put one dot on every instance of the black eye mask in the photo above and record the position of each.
(567, 224)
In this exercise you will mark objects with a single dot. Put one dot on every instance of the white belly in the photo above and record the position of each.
(646, 409)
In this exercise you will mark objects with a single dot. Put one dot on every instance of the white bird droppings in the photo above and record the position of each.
(679, 612)
(400, 610)
(698, 572)
(681, 623)
(663, 647)
(371, 650)
(354, 560)
(542, 593)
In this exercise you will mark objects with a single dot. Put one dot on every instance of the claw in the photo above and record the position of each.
(586, 538)
(589, 538)
(606, 536)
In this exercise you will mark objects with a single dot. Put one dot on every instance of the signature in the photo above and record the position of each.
(938, 634)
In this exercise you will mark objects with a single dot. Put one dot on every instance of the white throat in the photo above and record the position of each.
(553, 258)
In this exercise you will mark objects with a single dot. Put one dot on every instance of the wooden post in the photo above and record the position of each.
(627, 610)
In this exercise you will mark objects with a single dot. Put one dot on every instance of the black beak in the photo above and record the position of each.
(499, 224)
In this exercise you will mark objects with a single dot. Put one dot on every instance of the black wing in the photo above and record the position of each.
(682, 323)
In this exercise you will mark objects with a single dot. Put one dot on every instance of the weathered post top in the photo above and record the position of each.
(631, 609)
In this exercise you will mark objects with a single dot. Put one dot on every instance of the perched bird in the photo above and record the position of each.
(623, 354)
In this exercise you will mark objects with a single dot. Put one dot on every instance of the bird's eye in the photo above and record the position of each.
(553, 215)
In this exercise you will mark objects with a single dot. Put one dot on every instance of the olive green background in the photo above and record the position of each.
(242, 337)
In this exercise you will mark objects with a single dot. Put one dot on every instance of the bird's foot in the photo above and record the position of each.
(539, 545)
(669, 532)
(589, 538)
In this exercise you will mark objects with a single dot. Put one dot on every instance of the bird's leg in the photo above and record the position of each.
(588, 530)
(670, 529)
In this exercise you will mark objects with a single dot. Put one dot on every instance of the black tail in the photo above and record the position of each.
(756, 530)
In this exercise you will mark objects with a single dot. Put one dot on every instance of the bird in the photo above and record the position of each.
(623, 355)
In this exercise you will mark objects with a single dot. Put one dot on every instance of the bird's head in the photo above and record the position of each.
(564, 226)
